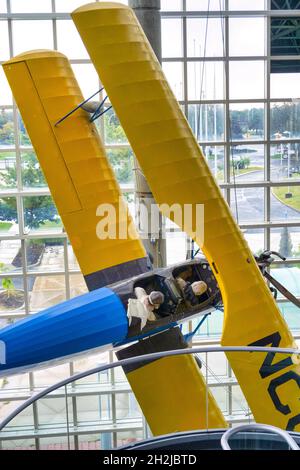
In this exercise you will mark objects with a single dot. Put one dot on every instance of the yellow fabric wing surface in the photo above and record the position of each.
(72, 158)
(177, 173)
(173, 396)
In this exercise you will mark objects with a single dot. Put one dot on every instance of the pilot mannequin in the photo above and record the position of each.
(192, 291)
(144, 305)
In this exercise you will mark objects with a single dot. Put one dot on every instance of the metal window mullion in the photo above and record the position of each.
(188, 241)
(285, 57)
(185, 72)
(66, 273)
(262, 184)
(34, 410)
(80, 61)
(5, 106)
(223, 101)
(18, 192)
(25, 277)
(229, 388)
(8, 150)
(244, 58)
(222, 142)
(227, 108)
(66, 270)
(267, 171)
(15, 193)
(20, 210)
(116, 146)
(19, 200)
(20, 205)
(231, 13)
(74, 408)
(35, 236)
(270, 225)
(54, 26)
(14, 109)
(165, 14)
(113, 401)
(34, 16)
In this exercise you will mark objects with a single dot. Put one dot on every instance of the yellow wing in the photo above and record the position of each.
(171, 391)
(177, 173)
(75, 165)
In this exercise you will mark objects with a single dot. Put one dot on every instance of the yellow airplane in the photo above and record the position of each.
(177, 173)
(81, 180)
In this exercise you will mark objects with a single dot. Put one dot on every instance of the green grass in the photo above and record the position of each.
(49, 224)
(220, 173)
(294, 201)
(5, 226)
(247, 170)
(4, 155)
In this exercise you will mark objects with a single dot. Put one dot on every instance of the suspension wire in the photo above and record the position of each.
(198, 130)
(224, 387)
(230, 127)
(218, 380)
(80, 105)
(203, 67)
(192, 253)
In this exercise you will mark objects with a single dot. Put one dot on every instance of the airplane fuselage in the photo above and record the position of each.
(98, 319)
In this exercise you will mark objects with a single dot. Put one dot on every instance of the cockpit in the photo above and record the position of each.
(170, 282)
(167, 286)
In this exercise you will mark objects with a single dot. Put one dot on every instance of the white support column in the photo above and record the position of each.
(148, 14)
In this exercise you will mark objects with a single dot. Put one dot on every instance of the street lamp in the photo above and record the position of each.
(288, 195)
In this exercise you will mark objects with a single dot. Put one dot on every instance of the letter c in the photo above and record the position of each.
(284, 378)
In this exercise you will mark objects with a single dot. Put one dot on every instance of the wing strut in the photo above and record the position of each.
(96, 111)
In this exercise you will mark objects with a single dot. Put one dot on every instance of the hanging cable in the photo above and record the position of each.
(238, 401)
(198, 123)
(203, 70)
(230, 128)
(192, 253)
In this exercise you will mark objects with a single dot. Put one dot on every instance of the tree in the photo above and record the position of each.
(256, 118)
(121, 159)
(246, 162)
(6, 127)
(236, 129)
(10, 297)
(7, 283)
(32, 174)
(246, 120)
(7, 133)
(114, 133)
(8, 209)
(122, 163)
(285, 245)
(37, 209)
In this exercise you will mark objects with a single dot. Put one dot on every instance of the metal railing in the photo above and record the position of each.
(125, 362)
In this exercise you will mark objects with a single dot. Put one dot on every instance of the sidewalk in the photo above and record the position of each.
(9, 248)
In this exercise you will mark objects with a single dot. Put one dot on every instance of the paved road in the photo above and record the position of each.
(251, 202)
